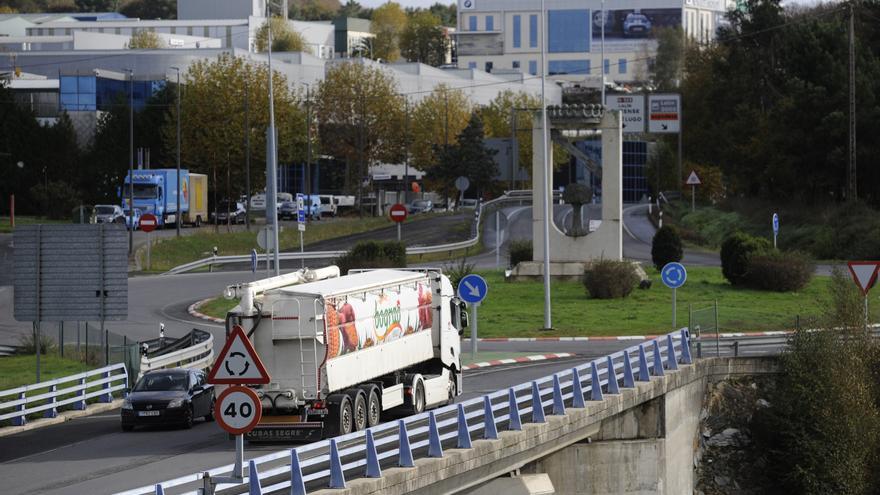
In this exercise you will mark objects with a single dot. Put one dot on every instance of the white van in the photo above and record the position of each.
(329, 205)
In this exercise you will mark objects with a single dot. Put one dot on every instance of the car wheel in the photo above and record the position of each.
(127, 427)
(188, 418)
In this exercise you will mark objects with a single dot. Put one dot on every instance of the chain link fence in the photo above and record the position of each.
(92, 346)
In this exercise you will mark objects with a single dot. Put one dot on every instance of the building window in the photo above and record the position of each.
(515, 64)
(490, 23)
(488, 66)
(533, 31)
(568, 31)
(472, 23)
(607, 66)
(533, 67)
(472, 65)
(517, 31)
(573, 67)
(621, 66)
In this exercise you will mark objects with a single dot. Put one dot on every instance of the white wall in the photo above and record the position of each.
(219, 9)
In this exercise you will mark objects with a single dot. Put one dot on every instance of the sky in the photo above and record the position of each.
(403, 3)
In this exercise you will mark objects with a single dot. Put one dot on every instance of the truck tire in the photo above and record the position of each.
(358, 409)
(340, 420)
(374, 407)
(418, 397)
(198, 221)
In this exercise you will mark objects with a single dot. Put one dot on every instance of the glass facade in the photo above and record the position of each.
(621, 66)
(533, 31)
(517, 31)
(472, 23)
(568, 31)
(90, 93)
(607, 66)
(472, 65)
(490, 23)
(574, 67)
(533, 67)
(635, 159)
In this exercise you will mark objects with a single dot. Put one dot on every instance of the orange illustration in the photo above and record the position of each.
(331, 325)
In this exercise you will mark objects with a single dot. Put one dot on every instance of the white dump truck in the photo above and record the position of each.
(343, 352)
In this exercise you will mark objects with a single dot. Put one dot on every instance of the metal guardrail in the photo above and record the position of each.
(320, 465)
(511, 196)
(200, 355)
(49, 401)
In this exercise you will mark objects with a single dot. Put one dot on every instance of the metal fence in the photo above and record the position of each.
(72, 391)
(329, 463)
(89, 344)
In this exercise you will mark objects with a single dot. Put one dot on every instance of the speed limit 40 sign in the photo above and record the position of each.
(238, 410)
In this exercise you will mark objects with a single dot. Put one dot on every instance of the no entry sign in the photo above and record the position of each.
(398, 213)
(148, 222)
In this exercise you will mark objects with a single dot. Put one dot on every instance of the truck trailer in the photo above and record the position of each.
(345, 352)
(155, 191)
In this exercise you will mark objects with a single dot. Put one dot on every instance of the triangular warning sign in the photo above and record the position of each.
(238, 362)
(864, 273)
(693, 180)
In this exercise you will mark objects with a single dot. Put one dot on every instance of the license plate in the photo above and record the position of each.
(148, 413)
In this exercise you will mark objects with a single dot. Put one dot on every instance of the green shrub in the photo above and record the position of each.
(778, 271)
(610, 279)
(665, 247)
(519, 251)
(711, 225)
(846, 309)
(736, 251)
(373, 254)
(458, 271)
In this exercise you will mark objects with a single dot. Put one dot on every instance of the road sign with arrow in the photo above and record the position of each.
(238, 362)
(664, 113)
(472, 289)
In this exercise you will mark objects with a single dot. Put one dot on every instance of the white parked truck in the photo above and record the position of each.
(345, 351)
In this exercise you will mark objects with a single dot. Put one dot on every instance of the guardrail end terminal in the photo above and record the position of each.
(686, 347)
(490, 430)
(612, 387)
(643, 365)
(337, 478)
(374, 470)
(577, 390)
(405, 454)
(671, 360)
(297, 484)
(254, 487)
(658, 359)
(464, 435)
(537, 406)
(628, 379)
(595, 384)
(558, 403)
(435, 448)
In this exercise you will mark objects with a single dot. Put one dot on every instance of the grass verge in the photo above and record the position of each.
(218, 307)
(6, 227)
(516, 309)
(16, 371)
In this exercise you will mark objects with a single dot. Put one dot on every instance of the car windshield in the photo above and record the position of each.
(104, 210)
(161, 382)
(421, 204)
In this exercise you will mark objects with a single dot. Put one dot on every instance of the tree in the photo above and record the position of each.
(497, 116)
(436, 121)
(150, 9)
(446, 13)
(351, 9)
(360, 116)
(284, 38)
(424, 39)
(387, 23)
(469, 158)
(145, 40)
(669, 61)
(313, 10)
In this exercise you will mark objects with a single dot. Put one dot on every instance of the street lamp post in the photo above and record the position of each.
(271, 160)
(548, 190)
(130, 160)
(179, 215)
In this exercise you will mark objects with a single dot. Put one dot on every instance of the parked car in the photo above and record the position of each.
(168, 397)
(109, 214)
(636, 24)
(258, 202)
(468, 204)
(287, 210)
(136, 217)
(420, 206)
(235, 210)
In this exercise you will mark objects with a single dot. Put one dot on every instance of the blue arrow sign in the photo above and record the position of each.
(673, 275)
(253, 261)
(472, 289)
(775, 223)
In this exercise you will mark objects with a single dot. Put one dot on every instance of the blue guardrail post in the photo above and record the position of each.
(686, 347)
(373, 469)
(20, 420)
(107, 397)
(643, 365)
(613, 388)
(558, 403)
(537, 406)
(254, 487)
(515, 423)
(160, 490)
(464, 434)
(490, 431)
(577, 390)
(628, 379)
(53, 412)
(297, 484)
(405, 458)
(671, 360)
(658, 359)
(595, 384)
(80, 405)
(337, 478)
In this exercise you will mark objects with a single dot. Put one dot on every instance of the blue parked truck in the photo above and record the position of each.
(155, 191)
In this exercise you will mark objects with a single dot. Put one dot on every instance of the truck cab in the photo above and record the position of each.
(155, 191)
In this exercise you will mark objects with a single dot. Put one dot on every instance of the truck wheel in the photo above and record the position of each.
(374, 407)
(452, 386)
(359, 409)
(418, 398)
(340, 420)
(198, 221)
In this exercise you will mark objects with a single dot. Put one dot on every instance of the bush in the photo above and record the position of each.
(28, 343)
(458, 271)
(736, 251)
(846, 308)
(372, 254)
(665, 247)
(55, 200)
(610, 279)
(778, 271)
(519, 251)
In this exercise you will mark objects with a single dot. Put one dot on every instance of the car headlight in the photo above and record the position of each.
(175, 404)
(126, 404)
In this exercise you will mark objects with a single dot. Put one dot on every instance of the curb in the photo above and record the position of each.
(627, 337)
(193, 311)
(63, 417)
(525, 359)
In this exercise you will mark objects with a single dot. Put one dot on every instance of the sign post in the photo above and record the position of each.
(238, 409)
(775, 228)
(864, 273)
(398, 214)
(673, 276)
(473, 289)
(301, 225)
(693, 181)
(148, 223)
(462, 184)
